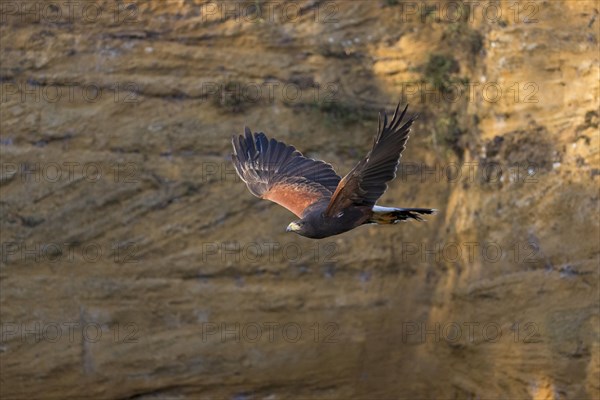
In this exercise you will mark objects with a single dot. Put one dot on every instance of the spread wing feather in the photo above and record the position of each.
(367, 181)
(275, 171)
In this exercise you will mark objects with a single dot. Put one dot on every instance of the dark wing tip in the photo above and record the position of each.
(252, 139)
(398, 118)
(396, 111)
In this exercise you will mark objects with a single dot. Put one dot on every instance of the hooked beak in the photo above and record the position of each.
(293, 227)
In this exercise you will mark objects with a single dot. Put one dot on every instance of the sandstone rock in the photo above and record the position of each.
(136, 264)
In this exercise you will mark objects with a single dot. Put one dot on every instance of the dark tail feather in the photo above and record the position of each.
(387, 215)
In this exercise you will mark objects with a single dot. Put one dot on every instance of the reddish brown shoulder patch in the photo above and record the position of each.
(292, 196)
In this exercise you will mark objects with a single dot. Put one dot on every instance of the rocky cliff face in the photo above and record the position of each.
(136, 264)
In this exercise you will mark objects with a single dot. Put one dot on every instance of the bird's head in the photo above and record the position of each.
(296, 226)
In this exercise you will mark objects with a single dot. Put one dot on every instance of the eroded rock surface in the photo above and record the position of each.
(136, 264)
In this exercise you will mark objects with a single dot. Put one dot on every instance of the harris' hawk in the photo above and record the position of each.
(326, 204)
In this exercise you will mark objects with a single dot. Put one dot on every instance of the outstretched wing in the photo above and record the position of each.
(277, 172)
(367, 181)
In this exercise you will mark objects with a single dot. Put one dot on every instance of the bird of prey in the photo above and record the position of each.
(326, 204)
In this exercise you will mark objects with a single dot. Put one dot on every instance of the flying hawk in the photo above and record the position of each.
(326, 204)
